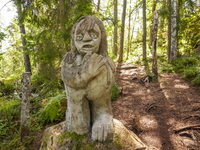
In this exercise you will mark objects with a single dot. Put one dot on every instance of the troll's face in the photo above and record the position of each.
(87, 37)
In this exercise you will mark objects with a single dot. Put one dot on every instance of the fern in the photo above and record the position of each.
(54, 110)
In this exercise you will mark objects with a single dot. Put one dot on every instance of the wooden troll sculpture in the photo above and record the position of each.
(88, 75)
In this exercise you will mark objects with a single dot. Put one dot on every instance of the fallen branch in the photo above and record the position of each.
(197, 126)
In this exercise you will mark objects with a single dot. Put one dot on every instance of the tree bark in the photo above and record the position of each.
(144, 30)
(129, 30)
(98, 5)
(115, 47)
(133, 28)
(25, 104)
(63, 19)
(155, 29)
(151, 28)
(22, 31)
(169, 31)
(122, 33)
(173, 53)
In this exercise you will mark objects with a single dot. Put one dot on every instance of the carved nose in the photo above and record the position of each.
(87, 37)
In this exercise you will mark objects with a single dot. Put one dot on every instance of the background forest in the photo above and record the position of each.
(39, 36)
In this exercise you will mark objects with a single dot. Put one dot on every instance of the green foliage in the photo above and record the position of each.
(9, 117)
(166, 67)
(184, 62)
(54, 109)
(2, 35)
(115, 91)
(6, 88)
(190, 72)
(83, 8)
(189, 29)
(189, 67)
(196, 80)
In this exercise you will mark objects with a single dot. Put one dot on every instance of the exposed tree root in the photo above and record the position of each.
(194, 127)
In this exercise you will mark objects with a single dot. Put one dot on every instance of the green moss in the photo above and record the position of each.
(115, 91)
(77, 139)
(83, 142)
(117, 142)
(52, 140)
(44, 141)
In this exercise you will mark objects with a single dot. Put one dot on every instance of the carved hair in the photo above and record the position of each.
(88, 23)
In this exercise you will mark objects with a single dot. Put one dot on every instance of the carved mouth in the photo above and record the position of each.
(88, 46)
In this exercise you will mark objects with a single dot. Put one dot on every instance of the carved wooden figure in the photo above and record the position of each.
(88, 75)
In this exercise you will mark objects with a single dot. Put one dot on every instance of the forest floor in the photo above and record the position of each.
(165, 114)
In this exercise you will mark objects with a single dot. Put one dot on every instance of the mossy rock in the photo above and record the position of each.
(56, 138)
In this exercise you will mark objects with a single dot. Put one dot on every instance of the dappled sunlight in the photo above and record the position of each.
(166, 93)
(152, 138)
(177, 80)
(153, 110)
(148, 122)
(171, 121)
(181, 86)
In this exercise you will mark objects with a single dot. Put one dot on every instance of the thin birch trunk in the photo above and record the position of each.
(169, 31)
(155, 29)
(173, 53)
(129, 30)
(144, 31)
(115, 47)
(122, 33)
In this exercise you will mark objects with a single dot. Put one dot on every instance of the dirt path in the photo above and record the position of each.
(155, 110)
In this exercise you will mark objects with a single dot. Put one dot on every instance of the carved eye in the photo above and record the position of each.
(79, 37)
(93, 36)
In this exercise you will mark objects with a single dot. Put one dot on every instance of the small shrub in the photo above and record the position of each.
(7, 88)
(196, 80)
(166, 67)
(183, 62)
(190, 72)
(115, 91)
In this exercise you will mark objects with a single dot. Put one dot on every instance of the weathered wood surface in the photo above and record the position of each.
(25, 104)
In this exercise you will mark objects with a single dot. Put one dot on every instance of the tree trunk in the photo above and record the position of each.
(122, 32)
(22, 31)
(63, 19)
(155, 29)
(115, 47)
(173, 53)
(151, 28)
(169, 31)
(2, 65)
(129, 30)
(144, 31)
(25, 104)
(133, 28)
(98, 5)
(162, 21)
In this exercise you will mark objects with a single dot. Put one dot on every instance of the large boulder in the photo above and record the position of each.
(56, 138)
